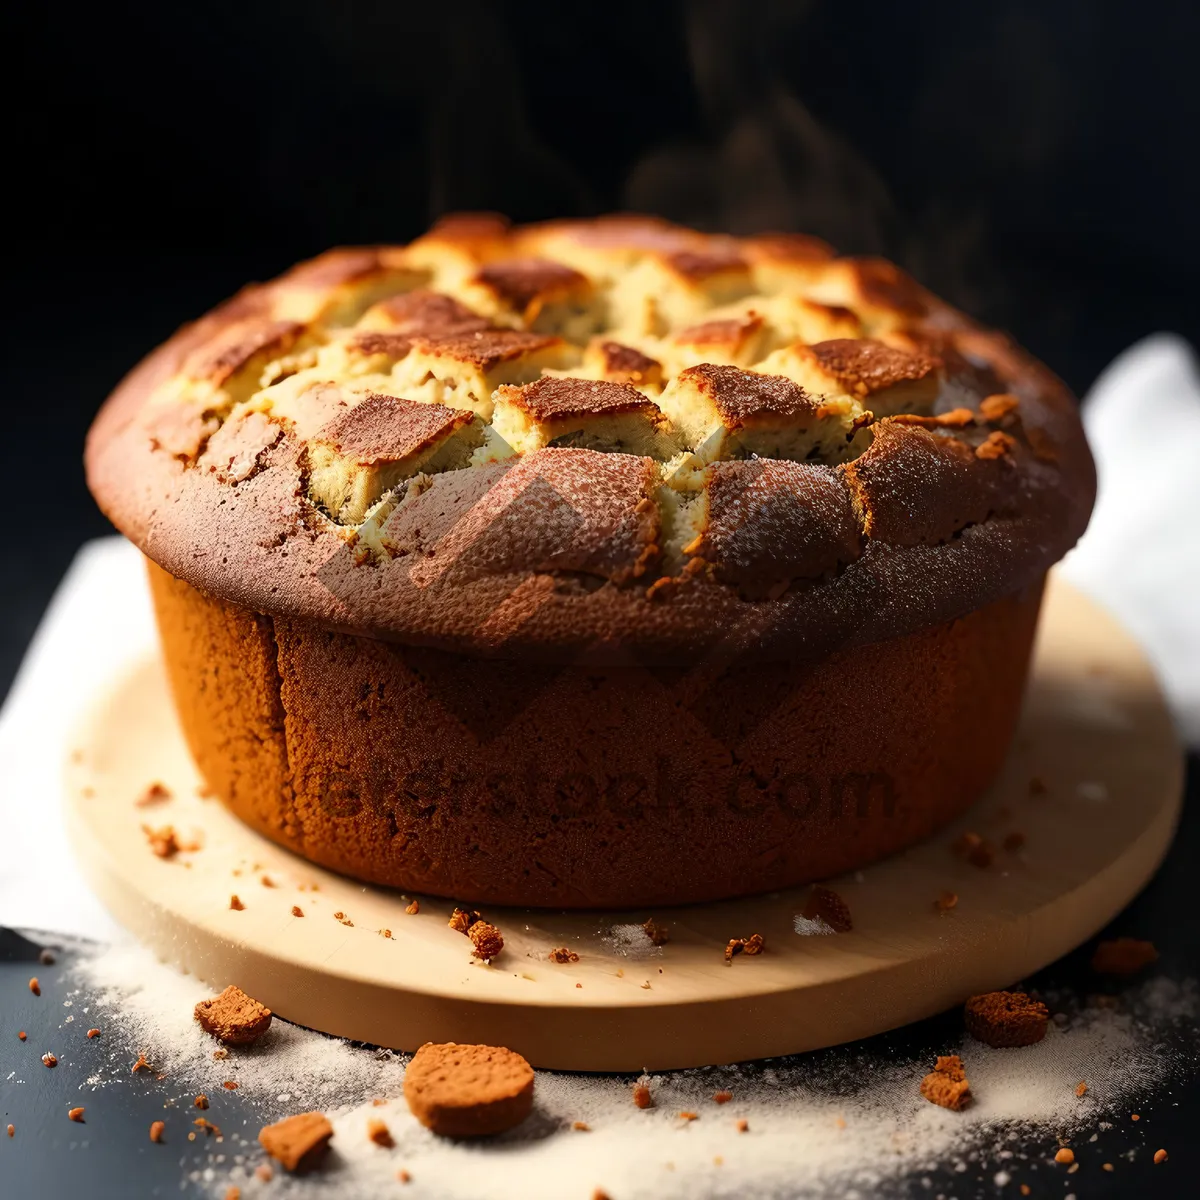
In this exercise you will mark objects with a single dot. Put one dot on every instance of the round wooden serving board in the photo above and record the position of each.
(1095, 739)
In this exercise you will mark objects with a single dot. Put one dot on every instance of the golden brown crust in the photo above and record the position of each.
(203, 455)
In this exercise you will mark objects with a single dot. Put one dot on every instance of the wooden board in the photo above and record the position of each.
(1094, 731)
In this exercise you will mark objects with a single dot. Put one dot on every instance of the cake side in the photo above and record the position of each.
(596, 441)
(448, 775)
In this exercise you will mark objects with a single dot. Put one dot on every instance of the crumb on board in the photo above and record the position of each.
(486, 939)
(233, 1017)
(162, 841)
(1064, 1155)
(201, 1101)
(560, 954)
(461, 919)
(49, 1060)
(742, 1125)
(297, 1141)
(235, 903)
(581, 1127)
(155, 793)
(1160, 1156)
(751, 946)
(297, 911)
(75, 1114)
(378, 1132)
(140, 1065)
(34, 986)
(413, 908)
(657, 933)
(341, 917)
(824, 904)
(156, 1130)
(385, 933)
(93, 1033)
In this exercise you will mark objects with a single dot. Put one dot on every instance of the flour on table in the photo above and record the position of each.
(844, 1120)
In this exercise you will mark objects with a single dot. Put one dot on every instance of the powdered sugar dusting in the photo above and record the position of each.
(840, 1121)
(631, 941)
(812, 926)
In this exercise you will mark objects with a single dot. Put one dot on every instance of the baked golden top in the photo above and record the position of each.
(601, 436)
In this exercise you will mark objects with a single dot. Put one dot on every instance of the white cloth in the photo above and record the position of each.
(1140, 558)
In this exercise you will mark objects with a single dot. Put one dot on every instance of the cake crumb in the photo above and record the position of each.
(297, 1141)
(22, 1035)
(379, 1133)
(487, 940)
(233, 1192)
(201, 1101)
(345, 920)
(267, 881)
(34, 986)
(385, 933)
(600, 1194)
(1081, 1088)
(233, 1017)
(722, 1097)
(162, 841)
(413, 908)
(156, 1130)
(230, 1085)
(297, 911)
(93, 1033)
(581, 1127)
(824, 904)
(1160, 1156)
(220, 1053)
(1064, 1155)
(1135, 1116)
(1006, 1019)
(1106, 1167)
(49, 1060)
(657, 933)
(642, 1097)
(156, 793)
(946, 901)
(264, 1173)
(236, 904)
(742, 1125)
(752, 945)
(46, 957)
(140, 1065)
(689, 1116)
(12, 1129)
(562, 955)
(207, 1127)
(1025, 1189)
(1123, 956)
(403, 1176)
(461, 919)
(75, 1114)
(946, 1085)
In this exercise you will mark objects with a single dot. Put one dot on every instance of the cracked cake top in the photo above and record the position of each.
(596, 439)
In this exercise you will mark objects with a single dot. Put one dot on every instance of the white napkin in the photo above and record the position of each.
(1140, 558)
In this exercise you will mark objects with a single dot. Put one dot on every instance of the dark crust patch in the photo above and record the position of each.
(334, 268)
(628, 362)
(470, 227)
(723, 332)
(740, 396)
(487, 348)
(884, 285)
(429, 312)
(771, 522)
(552, 398)
(786, 248)
(863, 366)
(389, 429)
(235, 347)
(369, 342)
(518, 282)
(916, 487)
(699, 265)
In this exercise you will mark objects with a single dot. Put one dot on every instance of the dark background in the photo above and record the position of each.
(1032, 160)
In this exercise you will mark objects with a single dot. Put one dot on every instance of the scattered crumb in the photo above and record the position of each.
(385, 933)
(1065, 1155)
(156, 1130)
(461, 919)
(1135, 1116)
(233, 1017)
(345, 920)
(267, 881)
(655, 932)
(1123, 956)
(1106, 1166)
(1025, 1189)
(35, 987)
(297, 1141)
(1160, 1156)
(140, 1065)
(689, 1116)
(581, 1127)
(946, 1085)
(752, 945)
(201, 1101)
(206, 1126)
(379, 1133)
(75, 1114)
(297, 911)
(46, 957)
(12, 1129)
(264, 1173)
(1003, 1019)
(233, 1192)
(600, 1194)
(742, 1125)
(236, 904)
(1081, 1088)
(562, 955)
(156, 793)
(487, 940)
(92, 1033)
(49, 1060)
(220, 1053)
(22, 1035)
(230, 1085)
(403, 1176)
(642, 1097)
(722, 1097)
(946, 901)
(824, 904)
(163, 841)
(413, 908)
(975, 849)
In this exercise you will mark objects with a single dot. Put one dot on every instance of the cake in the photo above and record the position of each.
(594, 563)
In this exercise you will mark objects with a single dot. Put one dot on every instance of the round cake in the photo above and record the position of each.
(594, 563)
